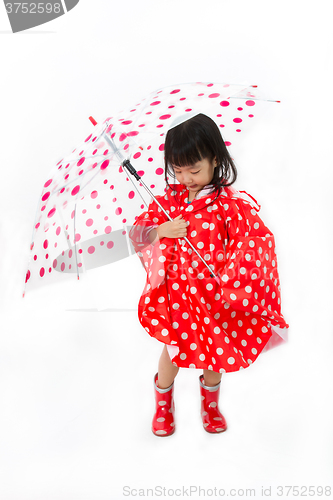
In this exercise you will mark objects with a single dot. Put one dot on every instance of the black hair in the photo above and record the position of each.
(194, 140)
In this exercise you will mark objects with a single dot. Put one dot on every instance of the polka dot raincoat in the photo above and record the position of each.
(209, 325)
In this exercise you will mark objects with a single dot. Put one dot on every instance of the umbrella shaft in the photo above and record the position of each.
(127, 164)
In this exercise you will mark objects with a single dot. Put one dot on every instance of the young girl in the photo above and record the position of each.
(217, 325)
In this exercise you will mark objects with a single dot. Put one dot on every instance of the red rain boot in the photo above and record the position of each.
(212, 419)
(163, 421)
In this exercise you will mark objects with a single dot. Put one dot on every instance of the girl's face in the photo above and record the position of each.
(196, 176)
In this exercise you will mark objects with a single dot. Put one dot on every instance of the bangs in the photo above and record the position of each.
(184, 148)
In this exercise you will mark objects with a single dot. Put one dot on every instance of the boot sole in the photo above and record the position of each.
(164, 435)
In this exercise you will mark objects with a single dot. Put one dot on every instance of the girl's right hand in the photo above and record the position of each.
(173, 229)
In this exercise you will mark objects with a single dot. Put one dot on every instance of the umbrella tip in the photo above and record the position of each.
(93, 121)
(277, 101)
(23, 295)
(78, 277)
(254, 86)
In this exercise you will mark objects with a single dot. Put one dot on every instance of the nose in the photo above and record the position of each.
(186, 179)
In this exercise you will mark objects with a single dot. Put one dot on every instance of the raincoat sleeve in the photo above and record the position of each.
(249, 279)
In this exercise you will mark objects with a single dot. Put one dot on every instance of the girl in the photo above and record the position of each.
(218, 325)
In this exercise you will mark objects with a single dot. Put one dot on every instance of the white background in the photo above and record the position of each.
(76, 367)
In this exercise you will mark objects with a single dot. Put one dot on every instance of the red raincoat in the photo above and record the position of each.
(220, 327)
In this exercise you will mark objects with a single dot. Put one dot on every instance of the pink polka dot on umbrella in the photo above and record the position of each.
(105, 164)
(45, 196)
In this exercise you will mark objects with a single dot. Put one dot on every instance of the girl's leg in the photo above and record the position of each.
(211, 378)
(166, 370)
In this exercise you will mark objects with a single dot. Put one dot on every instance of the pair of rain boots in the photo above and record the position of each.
(164, 418)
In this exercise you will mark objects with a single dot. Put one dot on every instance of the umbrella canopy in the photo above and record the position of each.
(89, 201)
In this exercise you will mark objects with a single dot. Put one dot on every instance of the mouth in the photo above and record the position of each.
(190, 187)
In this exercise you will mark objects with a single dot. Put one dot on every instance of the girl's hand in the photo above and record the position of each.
(173, 229)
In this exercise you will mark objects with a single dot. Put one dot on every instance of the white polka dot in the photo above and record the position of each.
(206, 320)
(248, 257)
(200, 245)
(193, 346)
(264, 329)
(256, 225)
(249, 331)
(185, 315)
(226, 340)
(234, 334)
(233, 296)
(154, 322)
(193, 234)
(242, 270)
(184, 335)
(219, 350)
(225, 325)
(236, 284)
(183, 355)
(244, 343)
(161, 300)
(147, 300)
(175, 325)
(245, 302)
(248, 289)
(231, 360)
(255, 308)
(259, 340)
(254, 321)
(193, 289)
(217, 330)
(251, 243)
(194, 326)
(165, 332)
(240, 323)
(161, 272)
(175, 306)
(225, 278)
(254, 351)
(254, 276)
(202, 357)
(162, 258)
(209, 287)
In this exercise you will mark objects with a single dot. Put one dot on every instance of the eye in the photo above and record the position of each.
(192, 172)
